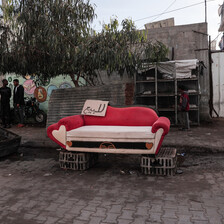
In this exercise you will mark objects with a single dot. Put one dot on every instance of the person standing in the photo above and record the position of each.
(5, 93)
(18, 102)
(184, 108)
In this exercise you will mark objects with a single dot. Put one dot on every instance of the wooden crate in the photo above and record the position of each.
(77, 161)
(165, 163)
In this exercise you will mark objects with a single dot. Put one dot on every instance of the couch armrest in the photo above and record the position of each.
(163, 123)
(57, 132)
(72, 122)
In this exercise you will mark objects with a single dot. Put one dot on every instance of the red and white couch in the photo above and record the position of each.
(131, 130)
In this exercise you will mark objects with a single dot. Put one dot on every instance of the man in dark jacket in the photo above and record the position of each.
(18, 101)
(5, 93)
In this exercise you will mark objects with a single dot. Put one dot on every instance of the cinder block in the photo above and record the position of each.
(165, 163)
(77, 161)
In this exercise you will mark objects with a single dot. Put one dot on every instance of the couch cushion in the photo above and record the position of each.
(129, 116)
(104, 133)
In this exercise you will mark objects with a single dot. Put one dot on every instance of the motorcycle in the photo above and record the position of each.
(32, 110)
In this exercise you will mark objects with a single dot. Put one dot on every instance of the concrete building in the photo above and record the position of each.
(184, 42)
(160, 24)
(188, 42)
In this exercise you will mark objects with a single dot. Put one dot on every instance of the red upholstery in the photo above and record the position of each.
(72, 122)
(130, 116)
(162, 122)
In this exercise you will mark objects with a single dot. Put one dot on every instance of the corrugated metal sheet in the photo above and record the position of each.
(218, 82)
(68, 102)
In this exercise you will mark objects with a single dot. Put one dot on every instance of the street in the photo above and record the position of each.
(34, 189)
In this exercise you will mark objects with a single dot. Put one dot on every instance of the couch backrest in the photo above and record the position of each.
(129, 116)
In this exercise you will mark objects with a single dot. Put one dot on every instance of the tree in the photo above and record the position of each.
(46, 36)
(125, 49)
(53, 37)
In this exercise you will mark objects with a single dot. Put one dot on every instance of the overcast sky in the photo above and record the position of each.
(139, 9)
(105, 9)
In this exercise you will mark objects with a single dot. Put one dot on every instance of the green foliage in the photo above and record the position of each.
(10, 9)
(45, 37)
(125, 49)
(53, 37)
(156, 52)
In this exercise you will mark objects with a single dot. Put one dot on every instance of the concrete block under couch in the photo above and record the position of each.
(131, 130)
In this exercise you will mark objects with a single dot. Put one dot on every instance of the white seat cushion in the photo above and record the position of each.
(116, 133)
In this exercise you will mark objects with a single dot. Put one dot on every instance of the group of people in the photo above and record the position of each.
(18, 103)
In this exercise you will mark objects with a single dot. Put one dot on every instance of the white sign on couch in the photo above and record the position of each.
(95, 108)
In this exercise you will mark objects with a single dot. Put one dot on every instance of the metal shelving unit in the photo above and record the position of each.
(162, 94)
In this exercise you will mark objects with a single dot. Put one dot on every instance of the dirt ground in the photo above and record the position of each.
(34, 189)
(120, 164)
(190, 162)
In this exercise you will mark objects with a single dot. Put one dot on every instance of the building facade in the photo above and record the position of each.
(188, 42)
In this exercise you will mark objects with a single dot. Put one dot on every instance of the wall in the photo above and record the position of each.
(29, 86)
(115, 78)
(188, 44)
(218, 83)
(162, 23)
(61, 106)
(65, 82)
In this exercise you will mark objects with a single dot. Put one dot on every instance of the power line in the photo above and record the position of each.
(188, 6)
(216, 37)
(163, 11)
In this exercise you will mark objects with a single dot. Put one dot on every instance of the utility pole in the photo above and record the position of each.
(206, 11)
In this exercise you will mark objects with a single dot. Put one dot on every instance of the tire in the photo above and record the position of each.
(40, 117)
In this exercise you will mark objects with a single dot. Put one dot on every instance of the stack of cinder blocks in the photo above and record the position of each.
(164, 163)
(77, 161)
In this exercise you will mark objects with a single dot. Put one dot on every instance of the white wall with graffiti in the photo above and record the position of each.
(40, 89)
